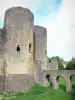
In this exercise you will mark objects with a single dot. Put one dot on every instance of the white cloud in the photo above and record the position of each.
(61, 34)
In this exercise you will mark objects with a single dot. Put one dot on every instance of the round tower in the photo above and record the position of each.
(41, 45)
(19, 23)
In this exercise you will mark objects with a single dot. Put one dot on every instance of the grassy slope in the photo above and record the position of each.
(41, 93)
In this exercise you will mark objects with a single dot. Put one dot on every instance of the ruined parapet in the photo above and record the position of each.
(52, 64)
(19, 23)
(41, 45)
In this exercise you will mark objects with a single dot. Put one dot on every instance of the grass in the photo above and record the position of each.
(42, 93)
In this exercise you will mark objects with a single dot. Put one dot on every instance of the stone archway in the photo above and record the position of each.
(49, 79)
(61, 82)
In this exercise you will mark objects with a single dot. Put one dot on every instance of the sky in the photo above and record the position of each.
(57, 16)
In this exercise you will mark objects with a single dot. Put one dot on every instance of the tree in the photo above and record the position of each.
(70, 65)
(73, 58)
(60, 64)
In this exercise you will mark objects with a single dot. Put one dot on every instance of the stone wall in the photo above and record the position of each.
(2, 81)
(3, 39)
(52, 65)
(38, 72)
(16, 82)
(19, 82)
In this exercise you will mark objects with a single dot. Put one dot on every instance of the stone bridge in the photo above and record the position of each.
(54, 75)
(43, 76)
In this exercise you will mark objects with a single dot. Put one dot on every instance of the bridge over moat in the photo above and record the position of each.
(43, 76)
(54, 75)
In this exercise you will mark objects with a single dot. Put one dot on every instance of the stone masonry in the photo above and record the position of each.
(23, 54)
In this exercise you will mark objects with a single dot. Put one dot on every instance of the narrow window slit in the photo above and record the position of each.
(18, 48)
(29, 48)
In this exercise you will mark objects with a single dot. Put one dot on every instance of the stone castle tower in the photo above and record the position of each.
(22, 46)
(23, 54)
(41, 45)
(19, 46)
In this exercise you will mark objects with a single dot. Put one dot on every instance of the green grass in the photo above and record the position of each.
(41, 93)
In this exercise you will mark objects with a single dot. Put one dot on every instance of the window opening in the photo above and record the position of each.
(18, 48)
(29, 48)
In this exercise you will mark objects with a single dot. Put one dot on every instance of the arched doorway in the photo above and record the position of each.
(61, 82)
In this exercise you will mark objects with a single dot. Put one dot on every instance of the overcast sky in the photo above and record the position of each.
(58, 16)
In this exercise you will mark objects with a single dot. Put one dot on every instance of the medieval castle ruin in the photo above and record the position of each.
(23, 54)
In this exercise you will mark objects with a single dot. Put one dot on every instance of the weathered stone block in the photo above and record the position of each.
(19, 82)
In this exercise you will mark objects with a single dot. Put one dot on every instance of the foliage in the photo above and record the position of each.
(70, 65)
(60, 64)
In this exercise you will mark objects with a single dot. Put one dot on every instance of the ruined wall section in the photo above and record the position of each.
(19, 23)
(38, 72)
(3, 39)
(52, 64)
(41, 45)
